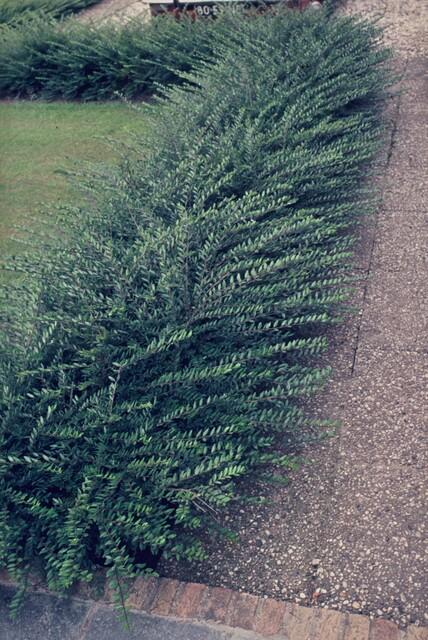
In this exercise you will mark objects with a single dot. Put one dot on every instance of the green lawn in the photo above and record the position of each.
(38, 139)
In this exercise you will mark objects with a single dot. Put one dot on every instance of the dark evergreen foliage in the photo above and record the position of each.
(13, 10)
(156, 348)
(41, 57)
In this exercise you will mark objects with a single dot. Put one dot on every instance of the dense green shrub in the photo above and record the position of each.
(158, 345)
(11, 10)
(75, 60)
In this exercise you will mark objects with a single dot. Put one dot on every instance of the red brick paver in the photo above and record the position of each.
(299, 623)
(416, 633)
(330, 624)
(270, 617)
(357, 627)
(266, 616)
(383, 630)
(165, 597)
(143, 593)
(188, 601)
(215, 604)
(242, 610)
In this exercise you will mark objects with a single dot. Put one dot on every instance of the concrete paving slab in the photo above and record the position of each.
(405, 190)
(410, 142)
(395, 311)
(43, 617)
(116, 11)
(372, 553)
(404, 22)
(414, 87)
(405, 182)
(387, 320)
(105, 625)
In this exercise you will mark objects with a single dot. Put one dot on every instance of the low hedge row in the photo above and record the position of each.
(160, 342)
(43, 58)
(12, 10)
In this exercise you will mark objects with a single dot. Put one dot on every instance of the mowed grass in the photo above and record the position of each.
(38, 140)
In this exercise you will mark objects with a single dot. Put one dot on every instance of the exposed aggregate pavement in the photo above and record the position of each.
(116, 10)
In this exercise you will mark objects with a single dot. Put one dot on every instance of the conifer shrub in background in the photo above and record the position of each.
(156, 348)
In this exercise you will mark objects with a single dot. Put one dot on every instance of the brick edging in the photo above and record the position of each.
(268, 617)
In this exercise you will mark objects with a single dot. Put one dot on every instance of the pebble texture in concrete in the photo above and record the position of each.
(116, 10)
(43, 617)
(105, 625)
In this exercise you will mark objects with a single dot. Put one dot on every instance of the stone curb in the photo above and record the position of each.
(265, 616)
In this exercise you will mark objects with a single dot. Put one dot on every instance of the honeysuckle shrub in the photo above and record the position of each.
(13, 10)
(41, 57)
(159, 341)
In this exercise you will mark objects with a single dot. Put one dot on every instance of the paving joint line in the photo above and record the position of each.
(395, 120)
(365, 276)
(416, 351)
(87, 620)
